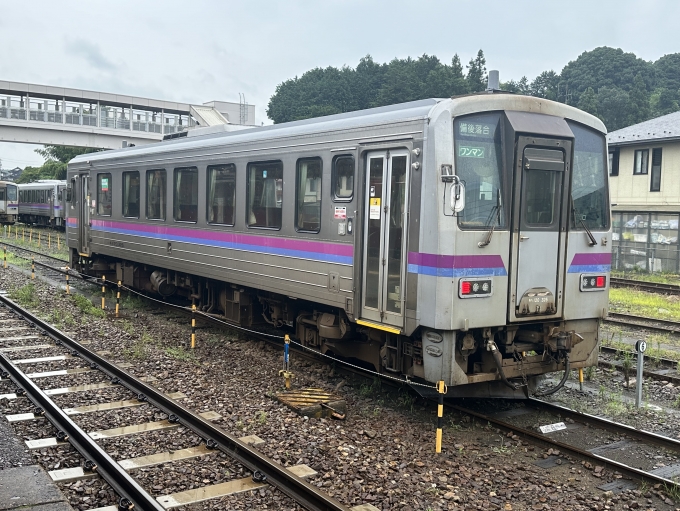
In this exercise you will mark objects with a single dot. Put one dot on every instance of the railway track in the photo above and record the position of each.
(628, 452)
(659, 325)
(652, 287)
(606, 455)
(264, 470)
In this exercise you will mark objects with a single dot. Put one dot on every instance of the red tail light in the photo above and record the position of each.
(600, 282)
(465, 288)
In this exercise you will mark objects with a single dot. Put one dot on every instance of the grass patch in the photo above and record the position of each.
(181, 354)
(660, 277)
(85, 305)
(24, 240)
(641, 303)
(139, 349)
(26, 296)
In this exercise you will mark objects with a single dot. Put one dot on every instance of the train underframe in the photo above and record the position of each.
(43, 221)
(506, 361)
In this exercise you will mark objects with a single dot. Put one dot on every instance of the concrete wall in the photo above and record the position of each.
(633, 190)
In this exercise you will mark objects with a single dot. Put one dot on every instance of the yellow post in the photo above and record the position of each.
(441, 388)
(16, 232)
(58, 243)
(4, 255)
(580, 378)
(285, 372)
(103, 291)
(49, 240)
(118, 299)
(30, 235)
(68, 290)
(193, 326)
(32, 268)
(39, 238)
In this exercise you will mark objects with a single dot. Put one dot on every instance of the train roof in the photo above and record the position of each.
(43, 183)
(393, 114)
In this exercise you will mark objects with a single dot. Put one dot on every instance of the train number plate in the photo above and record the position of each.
(551, 428)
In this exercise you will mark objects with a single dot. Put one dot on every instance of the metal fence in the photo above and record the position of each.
(645, 242)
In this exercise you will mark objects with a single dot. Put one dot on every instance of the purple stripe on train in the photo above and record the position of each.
(592, 262)
(456, 266)
(341, 253)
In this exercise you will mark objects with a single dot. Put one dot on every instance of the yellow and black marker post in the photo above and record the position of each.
(30, 235)
(32, 267)
(580, 378)
(68, 290)
(103, 291)
(58, 242)
(49, 240)
(193, 326)
(39, 238)
(4, 256)
(441, 389)
(118, 299)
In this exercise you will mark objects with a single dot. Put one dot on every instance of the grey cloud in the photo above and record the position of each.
(90, 52)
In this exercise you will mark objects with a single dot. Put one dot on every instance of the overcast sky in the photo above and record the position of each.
(196, 51)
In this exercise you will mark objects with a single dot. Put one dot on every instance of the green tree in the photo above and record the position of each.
(664, 101)
(476, 76)
(588, 101)
(545, 85)
(613, 106)
(57, 158)
(639, 101)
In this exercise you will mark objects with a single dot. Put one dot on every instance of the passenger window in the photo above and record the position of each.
(130, 194)
(265, 194)
(540, 192)
(156, 198)
(103, 194)
(343, 177)
(221, 194)
(185, 200)
(308, 203)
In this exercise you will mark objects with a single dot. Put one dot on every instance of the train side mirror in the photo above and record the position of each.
(457, 196)
(68, 195)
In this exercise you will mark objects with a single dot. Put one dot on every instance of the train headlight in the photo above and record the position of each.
(593, 283)
(475, 288)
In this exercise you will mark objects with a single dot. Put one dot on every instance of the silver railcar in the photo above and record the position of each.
(9, 205)
(42, 203)
(463, 240)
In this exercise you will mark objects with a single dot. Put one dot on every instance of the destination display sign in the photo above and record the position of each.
(470, 152)
(470, 128)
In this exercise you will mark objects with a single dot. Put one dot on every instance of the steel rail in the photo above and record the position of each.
(654, 287)
(302, 492)
(42, 254)
(537, 438)
(609, 425)
(663, 325)
(122, 483)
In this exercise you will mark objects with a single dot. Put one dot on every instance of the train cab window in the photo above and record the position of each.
(2, 194)
(478, 156)
(156, 194)
(265, 194)
(12, 193)
(308, 191)
(185, 197)
(589, 194)
(343, 178)
(221, 194)
(130, 194)
(104, 193)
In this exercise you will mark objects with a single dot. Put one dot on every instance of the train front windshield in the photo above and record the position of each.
(11, 193)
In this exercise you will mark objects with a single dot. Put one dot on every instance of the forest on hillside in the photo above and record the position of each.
(619, 88)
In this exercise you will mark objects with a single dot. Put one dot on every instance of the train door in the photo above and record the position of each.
(539, 230)
(83, 206)
(384, 250)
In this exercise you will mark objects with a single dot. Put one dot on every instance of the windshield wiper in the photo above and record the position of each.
(592, 239)
(494, 219)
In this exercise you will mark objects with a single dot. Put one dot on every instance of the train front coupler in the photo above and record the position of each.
(558, 346)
